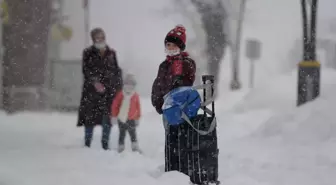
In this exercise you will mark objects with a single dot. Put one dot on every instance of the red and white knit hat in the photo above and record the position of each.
(177, 36)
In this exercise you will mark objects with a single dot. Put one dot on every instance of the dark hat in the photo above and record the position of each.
(177, 36)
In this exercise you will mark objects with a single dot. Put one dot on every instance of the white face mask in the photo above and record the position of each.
(172, 52)
(128, 88)
(100, 45)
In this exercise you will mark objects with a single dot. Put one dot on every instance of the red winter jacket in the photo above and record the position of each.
(134, 112)
(174, 72)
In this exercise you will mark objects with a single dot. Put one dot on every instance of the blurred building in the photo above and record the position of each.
(3, 20)
(67, 40)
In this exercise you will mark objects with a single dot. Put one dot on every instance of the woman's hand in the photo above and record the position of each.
(99, 87)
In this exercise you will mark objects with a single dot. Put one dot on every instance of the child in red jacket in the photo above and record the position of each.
(126, 112)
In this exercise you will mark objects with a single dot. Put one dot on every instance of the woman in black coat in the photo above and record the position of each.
(102, 79)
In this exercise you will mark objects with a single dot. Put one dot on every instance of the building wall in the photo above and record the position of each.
(1, 62)
(65, 64)
(72, 49)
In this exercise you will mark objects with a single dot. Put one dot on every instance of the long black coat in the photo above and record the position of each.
(103, 69)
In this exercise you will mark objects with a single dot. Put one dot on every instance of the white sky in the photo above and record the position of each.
(327, 8)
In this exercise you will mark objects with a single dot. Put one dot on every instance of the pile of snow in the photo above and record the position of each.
(277, 94)
(312, 122)
(42, 147)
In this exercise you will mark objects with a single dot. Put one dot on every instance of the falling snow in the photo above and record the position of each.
(263, 138)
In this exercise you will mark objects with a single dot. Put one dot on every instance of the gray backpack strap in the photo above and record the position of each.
(203, 106)
(208, 102)
(201, 132)
(203, 87)
(165, 123)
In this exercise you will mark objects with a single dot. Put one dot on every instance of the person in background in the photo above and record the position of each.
(177, 70)
(126, 113)
(102, 79)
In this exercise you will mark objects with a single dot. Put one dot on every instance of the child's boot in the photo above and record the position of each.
(135, 147)
(87, 143)
(121, 148)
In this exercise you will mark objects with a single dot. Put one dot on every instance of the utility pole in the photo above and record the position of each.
(309, 68)
(86, 6)
(235, 83)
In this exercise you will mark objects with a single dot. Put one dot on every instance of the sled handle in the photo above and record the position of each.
(210, 78)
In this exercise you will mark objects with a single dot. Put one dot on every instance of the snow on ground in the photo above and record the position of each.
(280, 143)
(314, 122)
(258, 146)
(47, 149)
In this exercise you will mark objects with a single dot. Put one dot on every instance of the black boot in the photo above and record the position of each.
(105, 146)
(88, 136)
(88, 143)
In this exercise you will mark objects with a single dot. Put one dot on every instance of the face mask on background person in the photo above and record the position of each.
(128, 88)
(100, 45)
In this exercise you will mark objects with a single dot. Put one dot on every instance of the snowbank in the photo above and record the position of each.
(313, 122)
(277, 94)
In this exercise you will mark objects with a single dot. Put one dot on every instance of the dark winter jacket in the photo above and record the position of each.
(174, 72)
(103, 69)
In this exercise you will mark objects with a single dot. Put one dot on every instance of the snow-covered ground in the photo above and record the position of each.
(272, 144)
